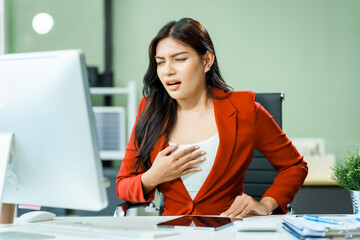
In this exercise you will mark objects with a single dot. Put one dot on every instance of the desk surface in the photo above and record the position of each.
(149, 222)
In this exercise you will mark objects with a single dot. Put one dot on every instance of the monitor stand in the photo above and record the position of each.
(6, 210)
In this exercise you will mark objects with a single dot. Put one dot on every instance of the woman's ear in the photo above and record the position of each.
(208, 60)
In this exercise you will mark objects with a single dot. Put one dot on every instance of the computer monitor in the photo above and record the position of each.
(45, 102)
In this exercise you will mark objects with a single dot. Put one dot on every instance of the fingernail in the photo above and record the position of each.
(196, 147)
(202, 158)
(199, 168)
(202, 152)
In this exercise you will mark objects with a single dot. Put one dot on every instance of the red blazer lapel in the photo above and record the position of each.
(226, 122)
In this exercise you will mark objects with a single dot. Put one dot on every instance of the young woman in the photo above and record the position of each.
(194, 138)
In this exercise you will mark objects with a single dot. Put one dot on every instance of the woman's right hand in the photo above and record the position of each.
(167, 167)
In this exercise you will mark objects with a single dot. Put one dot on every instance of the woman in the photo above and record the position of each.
(193, 138)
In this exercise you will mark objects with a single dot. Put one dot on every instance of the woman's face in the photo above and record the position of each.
(180, 69)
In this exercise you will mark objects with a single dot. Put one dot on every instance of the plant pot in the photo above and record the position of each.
(355, 201)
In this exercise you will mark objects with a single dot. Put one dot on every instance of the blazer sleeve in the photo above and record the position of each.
(271, 141)
(128, 182)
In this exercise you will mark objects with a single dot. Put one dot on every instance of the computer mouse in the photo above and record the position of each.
(37, 216)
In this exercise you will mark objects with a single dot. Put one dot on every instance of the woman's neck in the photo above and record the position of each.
(195, 120)
(199, 102)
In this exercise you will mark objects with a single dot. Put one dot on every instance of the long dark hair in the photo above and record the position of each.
(160, 112)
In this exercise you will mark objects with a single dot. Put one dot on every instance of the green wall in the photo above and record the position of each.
(77, 24)
(308, 49)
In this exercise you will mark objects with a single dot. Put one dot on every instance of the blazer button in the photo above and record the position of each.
(190, 205)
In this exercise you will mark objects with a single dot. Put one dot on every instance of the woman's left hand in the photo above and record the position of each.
(244, 204)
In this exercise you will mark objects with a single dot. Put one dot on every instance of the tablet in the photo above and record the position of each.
(199, 222)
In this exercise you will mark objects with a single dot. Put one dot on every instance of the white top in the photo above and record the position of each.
(193, 181)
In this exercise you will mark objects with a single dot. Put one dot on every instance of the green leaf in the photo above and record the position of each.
(346, 172)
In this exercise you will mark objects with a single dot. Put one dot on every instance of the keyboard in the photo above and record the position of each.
(107, 229)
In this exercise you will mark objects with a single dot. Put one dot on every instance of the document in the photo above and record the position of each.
(323, 227)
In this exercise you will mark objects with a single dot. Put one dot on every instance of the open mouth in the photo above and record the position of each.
(173, 83)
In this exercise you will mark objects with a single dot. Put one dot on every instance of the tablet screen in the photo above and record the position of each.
(215, 223)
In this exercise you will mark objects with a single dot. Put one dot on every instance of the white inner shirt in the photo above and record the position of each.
(193, 181)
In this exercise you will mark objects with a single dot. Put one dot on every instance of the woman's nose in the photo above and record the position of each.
(169, 69)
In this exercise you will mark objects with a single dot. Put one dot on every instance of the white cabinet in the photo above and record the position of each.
(112, 128)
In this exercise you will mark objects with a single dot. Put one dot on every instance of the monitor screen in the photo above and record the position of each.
(45, 102)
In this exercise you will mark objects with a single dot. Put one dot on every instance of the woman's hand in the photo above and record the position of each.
(167, 167)
(244, 204)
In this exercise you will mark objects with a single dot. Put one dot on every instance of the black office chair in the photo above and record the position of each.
(260, 174)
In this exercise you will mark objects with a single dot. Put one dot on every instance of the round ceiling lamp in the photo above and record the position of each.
(42, 23)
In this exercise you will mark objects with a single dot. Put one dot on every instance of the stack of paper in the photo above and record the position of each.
(310, 229)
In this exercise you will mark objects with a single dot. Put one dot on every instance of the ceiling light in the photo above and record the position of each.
(42, 23)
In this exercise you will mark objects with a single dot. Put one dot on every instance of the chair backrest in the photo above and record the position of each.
(260, 174)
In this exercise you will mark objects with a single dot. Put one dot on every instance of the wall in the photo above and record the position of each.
(77, 24)
(308, 49)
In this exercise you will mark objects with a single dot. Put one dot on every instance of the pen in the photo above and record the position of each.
(324, 220)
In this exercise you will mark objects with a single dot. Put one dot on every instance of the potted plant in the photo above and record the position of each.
(346, 173)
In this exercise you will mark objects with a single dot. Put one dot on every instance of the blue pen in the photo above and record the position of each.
(324, 220)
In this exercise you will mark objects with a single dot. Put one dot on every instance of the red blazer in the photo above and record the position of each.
(243, 125)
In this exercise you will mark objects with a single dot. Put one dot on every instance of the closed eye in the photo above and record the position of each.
(180, 59)
(160, 63)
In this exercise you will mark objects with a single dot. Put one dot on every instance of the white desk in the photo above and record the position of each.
(149, 222)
